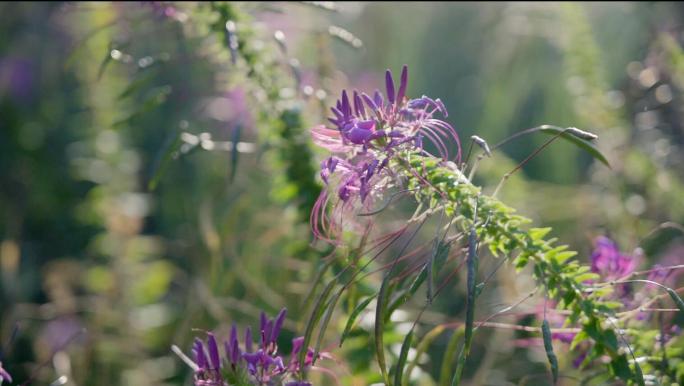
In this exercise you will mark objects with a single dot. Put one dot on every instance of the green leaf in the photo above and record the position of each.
(449, 355)
(163, 159)
(620, 367)
(155, 100)
(399, 370)
(316, 313)
(675, 297)
(420, 349)
(380, 326)
(136, 85)
(577, 141)
(407, 294)
(352, 318)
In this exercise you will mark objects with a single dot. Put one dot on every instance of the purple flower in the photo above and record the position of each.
(254, 367)
(367, 132)
(17, 78)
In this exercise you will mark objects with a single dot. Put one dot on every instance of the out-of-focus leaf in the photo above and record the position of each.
(136, 85)
(420, 349)
(675, 297)
(449, 355)
(234, 155)
(163, 159)
(158, 97)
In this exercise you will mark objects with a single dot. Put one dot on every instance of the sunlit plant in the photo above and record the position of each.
(378, 153)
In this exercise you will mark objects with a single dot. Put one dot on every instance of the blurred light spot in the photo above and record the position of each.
(662, 148)
(9, 256)
(663, 181)
(62, 364)
(308, 90)
(279, 36)
(321, 94)
(60, 381)
(98, 171)
(151, 316)
(345, 36)
(646, 120)
(576, 85)
(221, 109)
(130, 162)
(399, 316)
(648, 77)
(635, 205)
(663, 94)
(634, 69)
(107, 142)
(116, 54)
(286, 93)
(258, 45)
(615, 99)
(134, 204)
(145, 61)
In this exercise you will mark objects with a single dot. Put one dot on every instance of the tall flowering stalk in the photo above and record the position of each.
(377, 144)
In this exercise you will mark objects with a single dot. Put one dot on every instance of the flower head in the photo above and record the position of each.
(247, 364)
(366, 133)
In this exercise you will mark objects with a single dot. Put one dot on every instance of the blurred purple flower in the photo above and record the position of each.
(4, 375)
(609, 262)
(17, 78)
(60, 332)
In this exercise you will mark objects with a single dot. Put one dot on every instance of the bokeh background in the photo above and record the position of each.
(152, 180)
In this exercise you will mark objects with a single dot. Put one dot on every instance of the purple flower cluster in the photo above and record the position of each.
(4, 375)
(367, 132)
(252, 363)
